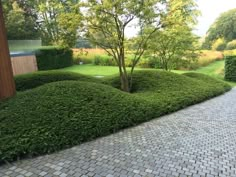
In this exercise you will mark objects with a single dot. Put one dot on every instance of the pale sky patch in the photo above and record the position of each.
(211, 10)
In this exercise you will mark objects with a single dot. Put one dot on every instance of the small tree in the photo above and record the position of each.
(107, 21)
(175, 44)
(173, 48)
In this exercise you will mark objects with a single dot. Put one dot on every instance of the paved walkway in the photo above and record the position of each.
(197, 141)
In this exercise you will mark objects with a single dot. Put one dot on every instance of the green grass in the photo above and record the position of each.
(95, 70)
(61, 114)
(215, 69)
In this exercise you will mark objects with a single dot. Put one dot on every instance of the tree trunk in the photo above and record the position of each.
(7, 84)
(124, 83)
(124, 79)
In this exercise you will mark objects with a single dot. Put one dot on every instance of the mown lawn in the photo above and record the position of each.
(215, 69)
(95, 70)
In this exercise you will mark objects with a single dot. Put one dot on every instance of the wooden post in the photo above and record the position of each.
(7, 84)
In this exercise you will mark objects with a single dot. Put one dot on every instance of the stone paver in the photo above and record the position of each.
(197, 141)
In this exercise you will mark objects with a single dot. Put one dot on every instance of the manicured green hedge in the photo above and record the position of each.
(29, 81)
(54, 58)
(62, 114)
(230, 68)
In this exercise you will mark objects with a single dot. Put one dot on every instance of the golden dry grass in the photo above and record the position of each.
(208, 56)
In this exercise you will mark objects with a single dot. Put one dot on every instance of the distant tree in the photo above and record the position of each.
(58, 21)
(18, 24)
(223, 27)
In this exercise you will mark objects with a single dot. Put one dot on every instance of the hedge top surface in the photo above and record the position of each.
(30, 81)
(62, 114)
(54, 58)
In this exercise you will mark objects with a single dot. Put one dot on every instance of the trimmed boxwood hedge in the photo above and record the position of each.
(30, 81)
(230, 68)
(62, 114)
(54, 58)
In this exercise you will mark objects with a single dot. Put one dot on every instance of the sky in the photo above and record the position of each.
(211, 9)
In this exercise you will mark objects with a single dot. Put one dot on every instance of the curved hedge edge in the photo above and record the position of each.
(33, 80)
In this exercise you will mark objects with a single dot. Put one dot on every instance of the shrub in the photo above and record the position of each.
(86, 56)
(230, 68)
(229, 52)
(62, 114)
(219, 45)
(150, 62)
(231, 45)
(104, 60)
(54, 58)
(29, 81)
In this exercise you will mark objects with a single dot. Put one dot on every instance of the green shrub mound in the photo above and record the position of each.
(62, 114)
(29, 81)
(230, 68)
(231, 45)
(54, 58)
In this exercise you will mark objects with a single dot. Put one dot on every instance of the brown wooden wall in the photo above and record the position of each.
(7, 84)
(24, 64)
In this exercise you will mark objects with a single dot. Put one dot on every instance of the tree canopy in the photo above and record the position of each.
(223, 28)
(19, 24)
(106, 23)
(54, 21)
(107, 20)
(175, 44)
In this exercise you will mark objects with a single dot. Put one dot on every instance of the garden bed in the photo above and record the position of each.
(62, 114)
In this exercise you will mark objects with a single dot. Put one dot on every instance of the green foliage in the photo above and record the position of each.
(19, 25)
(68, 24)
(231, 45)
(219, 45)
(173, 48)
(230, 52)
(56, 22)
(104, 60)
(107, 22)
(62, 114)
(54, 58)
(60, 27)
(223, 27)
(30, 81)
(175, 45)
(230, 68)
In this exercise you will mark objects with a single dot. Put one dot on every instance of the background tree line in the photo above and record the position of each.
(222, 33)
(54, 21)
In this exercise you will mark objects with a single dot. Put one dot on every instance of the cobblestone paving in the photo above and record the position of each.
(197, 141)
